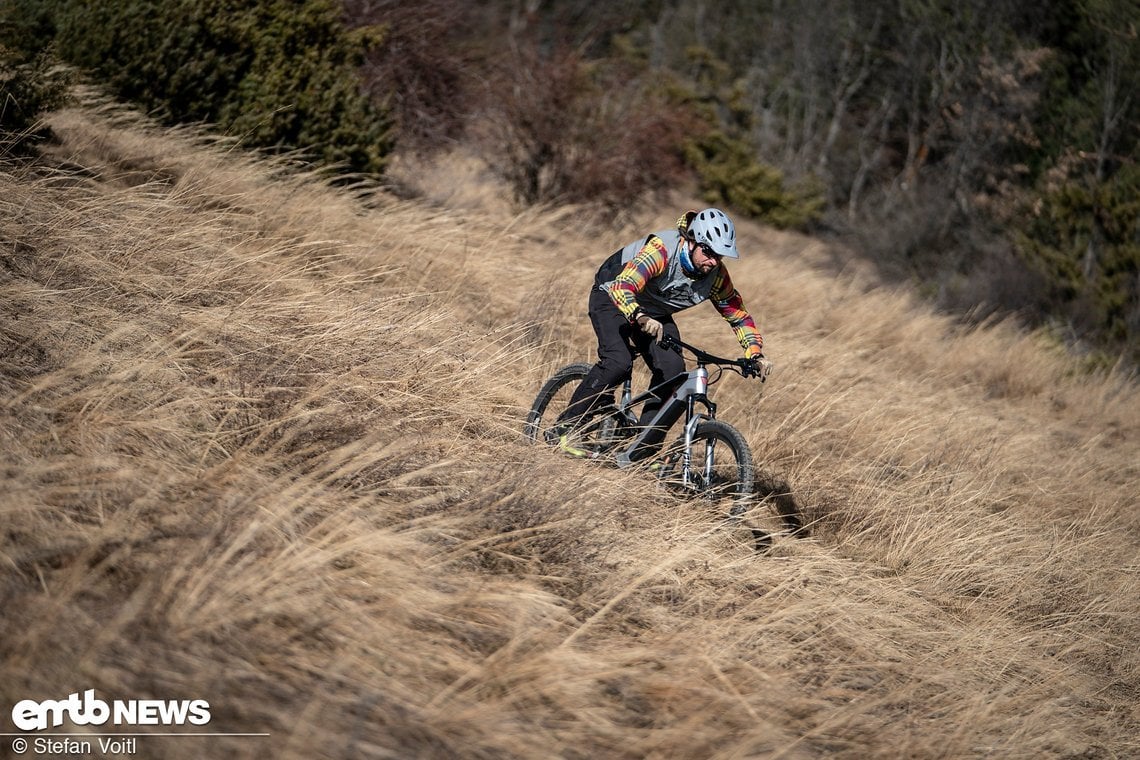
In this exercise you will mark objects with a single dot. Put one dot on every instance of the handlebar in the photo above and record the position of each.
(744, 366)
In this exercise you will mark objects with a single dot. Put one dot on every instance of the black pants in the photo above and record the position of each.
(618, 344)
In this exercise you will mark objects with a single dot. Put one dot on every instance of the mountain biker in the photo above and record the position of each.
(636, 292)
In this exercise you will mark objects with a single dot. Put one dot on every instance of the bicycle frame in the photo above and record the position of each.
(691, 391)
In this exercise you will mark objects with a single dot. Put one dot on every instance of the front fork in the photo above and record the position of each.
(693, 419)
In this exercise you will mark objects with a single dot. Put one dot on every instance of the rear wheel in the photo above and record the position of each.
(594, 437)
(552, 400)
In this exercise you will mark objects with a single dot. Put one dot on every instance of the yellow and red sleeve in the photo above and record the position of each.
(649, 262)
(728, 302)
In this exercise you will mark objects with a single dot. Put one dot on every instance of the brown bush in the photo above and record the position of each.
(424, 68)
(558, 127)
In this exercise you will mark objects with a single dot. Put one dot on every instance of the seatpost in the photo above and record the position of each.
(626, 393)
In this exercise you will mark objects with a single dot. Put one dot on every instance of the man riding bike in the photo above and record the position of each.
(636, 292)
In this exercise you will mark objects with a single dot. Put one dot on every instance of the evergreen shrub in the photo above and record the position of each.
(30, 84)
(730, 175)
(279, 74)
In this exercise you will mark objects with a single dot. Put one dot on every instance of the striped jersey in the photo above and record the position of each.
(647, 275)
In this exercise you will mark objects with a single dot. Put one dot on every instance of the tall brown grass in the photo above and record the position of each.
(261, 447)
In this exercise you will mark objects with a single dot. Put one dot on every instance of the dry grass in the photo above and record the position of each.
(261, 447)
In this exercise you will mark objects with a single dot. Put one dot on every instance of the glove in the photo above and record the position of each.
(651, 326)
(759, 367)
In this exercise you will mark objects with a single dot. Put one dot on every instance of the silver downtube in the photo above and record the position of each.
(671, 410)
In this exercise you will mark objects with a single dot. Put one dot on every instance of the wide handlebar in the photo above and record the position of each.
(704, 357)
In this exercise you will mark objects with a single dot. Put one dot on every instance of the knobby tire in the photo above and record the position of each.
(538, 420)
(737, 486)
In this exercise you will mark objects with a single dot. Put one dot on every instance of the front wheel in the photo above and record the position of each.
(720, 467)
(721, 472)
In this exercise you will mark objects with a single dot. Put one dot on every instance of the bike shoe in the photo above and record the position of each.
(567, 445)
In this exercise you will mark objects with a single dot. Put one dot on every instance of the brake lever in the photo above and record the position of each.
(758, 367)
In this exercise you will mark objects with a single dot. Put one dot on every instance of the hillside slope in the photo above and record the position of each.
(261, 447)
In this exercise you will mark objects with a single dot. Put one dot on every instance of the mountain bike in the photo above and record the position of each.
(710, 461)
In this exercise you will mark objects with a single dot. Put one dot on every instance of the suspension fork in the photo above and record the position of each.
(692, 420)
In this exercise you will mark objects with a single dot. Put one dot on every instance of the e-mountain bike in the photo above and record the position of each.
(710, 460)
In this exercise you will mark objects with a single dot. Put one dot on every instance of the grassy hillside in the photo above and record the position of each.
(261, 447)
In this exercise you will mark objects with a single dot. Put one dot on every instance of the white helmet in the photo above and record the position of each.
(713, 228)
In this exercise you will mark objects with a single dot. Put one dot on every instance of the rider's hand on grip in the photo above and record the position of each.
(759, 367)
(651, 326)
